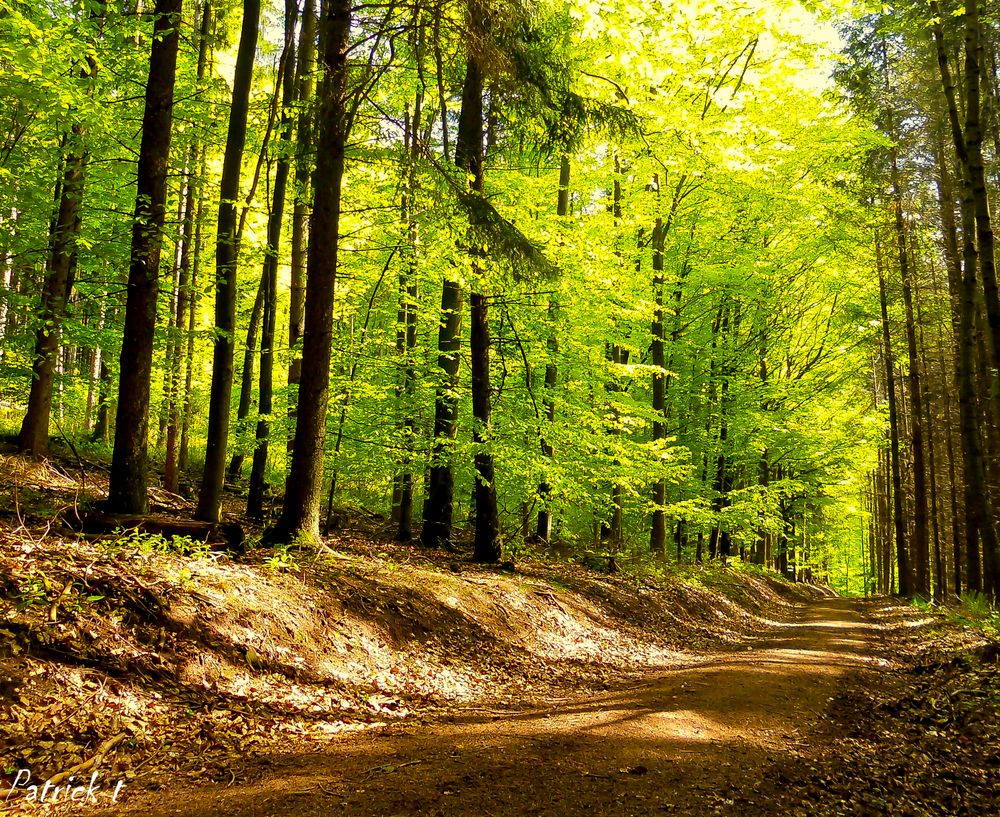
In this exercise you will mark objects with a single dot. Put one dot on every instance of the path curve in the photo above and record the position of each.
(678, 743)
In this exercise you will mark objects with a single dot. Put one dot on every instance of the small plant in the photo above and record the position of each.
(975, 610)
(33, 591)
(281, 559)
(146, 543)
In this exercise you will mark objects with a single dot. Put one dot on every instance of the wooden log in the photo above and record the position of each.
(220, 536)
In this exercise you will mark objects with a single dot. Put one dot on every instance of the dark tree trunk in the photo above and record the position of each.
(406, 338)
(127, 483)
(64, 230)
(543, 528)
(658, 530)
(899, 524)
(953, 265)
(304, 485)
(269, 275)
(986, 253)
(179, 388)
(439, 505)
(226, 289)
(921, 550)
(940, 577)
(300, 208)
(975, 228)
(469, 157)
(182, 453)
(235, 469)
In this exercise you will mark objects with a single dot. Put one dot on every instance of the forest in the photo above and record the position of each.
(363, 362)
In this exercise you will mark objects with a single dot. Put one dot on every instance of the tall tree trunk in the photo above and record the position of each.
(899, 524)
(658, 529)
(127, 483)
(235, 469)
(187, 408)
(406, 340)
(179, 394)
(439, 504)
(940, 576)
(226, 290)
(977, 177)
(469, 157)
(953, 266)
(304, 485)
(65, 228)
(920, 534)
(269, 275)
(977, 239)
(543, 528)
(300, 208)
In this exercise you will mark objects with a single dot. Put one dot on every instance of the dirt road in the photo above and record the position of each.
(683, 742)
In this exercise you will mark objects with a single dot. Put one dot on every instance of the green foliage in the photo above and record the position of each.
(137, 541)
(975, 610)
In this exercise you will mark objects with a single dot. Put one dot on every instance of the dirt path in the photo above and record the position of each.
(681, 743)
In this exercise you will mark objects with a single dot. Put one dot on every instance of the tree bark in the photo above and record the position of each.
(304, 486)
(543, 528)
(235, 469)
(899, 524)
(658, 530)
(920, 533)
(269, 275)
(406, 338)
(127, 483)
(226, 290)
(300, 208)
(179, 394)
(469, 157)
(65, 229)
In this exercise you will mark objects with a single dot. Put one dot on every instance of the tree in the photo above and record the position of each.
(129, 471)
(227, 247)
(303, 488)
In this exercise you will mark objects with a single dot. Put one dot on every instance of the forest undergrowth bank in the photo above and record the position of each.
(167, 666)
(193, 662)
(924, 726)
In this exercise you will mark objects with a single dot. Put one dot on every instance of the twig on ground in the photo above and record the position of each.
(94, 761)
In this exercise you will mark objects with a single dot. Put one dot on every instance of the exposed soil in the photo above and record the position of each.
(373, 679)
(683, 742)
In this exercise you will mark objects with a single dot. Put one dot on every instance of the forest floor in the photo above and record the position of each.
(372, 678)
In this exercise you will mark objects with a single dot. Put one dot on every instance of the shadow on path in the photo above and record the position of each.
(675, 744)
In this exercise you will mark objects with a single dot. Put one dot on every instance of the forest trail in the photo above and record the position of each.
(690, 741)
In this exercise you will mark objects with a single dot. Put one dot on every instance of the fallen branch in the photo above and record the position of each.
(93, 762)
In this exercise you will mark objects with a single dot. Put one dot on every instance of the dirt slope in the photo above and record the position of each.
(680, 742)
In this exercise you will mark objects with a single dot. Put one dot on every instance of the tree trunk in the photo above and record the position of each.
(469, 157)
(406, 340)
(300, 208)
(179, 394)
(658, 531)
(226, 290)
(976, 240)
(188, 405)
(127, 483)
(235, 469)
(920, 534)
(905, 588)
(304, 486)
(543, 529)
(439, 504)
(34, 436)
(269, 275)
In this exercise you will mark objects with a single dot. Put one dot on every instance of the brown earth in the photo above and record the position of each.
(374, 678)
(683, 742)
